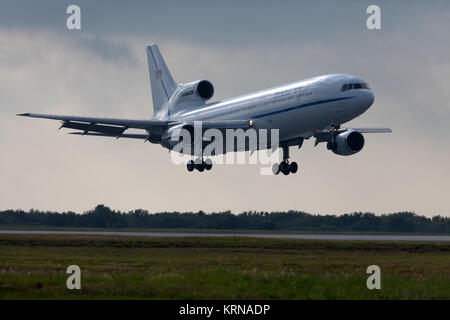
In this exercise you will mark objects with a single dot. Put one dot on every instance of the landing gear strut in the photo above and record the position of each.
(331, 145)
(285, 166)
(199, 164)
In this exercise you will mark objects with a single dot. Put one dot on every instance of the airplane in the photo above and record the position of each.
(315, 107)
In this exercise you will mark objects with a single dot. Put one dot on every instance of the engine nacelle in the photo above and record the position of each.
(347, 143)
(184, 133)
(202, 89)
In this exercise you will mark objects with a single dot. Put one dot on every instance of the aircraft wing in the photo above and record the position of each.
(327, 132)
(105, 127)
(108, 127)
(325, 135)
(224, 124)
(137, 124)
(372, 130)
(80, 123)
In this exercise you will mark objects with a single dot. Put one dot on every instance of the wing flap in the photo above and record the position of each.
(125, 135)
(86, 127)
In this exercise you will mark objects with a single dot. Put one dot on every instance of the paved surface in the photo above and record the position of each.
(255, 235)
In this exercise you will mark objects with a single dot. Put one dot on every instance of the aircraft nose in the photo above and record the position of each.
(367, 99)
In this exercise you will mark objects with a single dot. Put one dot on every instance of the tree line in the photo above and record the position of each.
(103, 217)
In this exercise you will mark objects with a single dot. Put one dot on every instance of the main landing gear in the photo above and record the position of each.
(199, 164)
(285, 166)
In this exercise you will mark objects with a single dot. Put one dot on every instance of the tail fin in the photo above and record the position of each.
(161, 81)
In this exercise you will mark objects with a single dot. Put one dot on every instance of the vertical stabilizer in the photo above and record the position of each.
(161, 81)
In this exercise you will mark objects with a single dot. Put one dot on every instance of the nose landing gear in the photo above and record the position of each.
(285, 166)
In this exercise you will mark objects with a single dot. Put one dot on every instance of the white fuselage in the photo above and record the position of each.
(297, 109)
(275, 118)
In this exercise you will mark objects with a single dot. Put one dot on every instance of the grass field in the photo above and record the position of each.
(33, 267)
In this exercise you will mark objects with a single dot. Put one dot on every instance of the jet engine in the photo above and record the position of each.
(347, 143)
(203, 89)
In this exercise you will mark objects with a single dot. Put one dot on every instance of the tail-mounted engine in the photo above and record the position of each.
(195, 92)
(191, 95)
(204, 89)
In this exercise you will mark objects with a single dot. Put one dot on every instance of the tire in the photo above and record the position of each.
(275, 168)
(200, 167)
(207, 164)
(293, 167)
(284, 167)
(190, 166)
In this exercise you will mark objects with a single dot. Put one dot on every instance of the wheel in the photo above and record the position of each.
(293, 167)
(207, 164)
(284, 167)
(276, 168)
(200, 167)
(190, 166)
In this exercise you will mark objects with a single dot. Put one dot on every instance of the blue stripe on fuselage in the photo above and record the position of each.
(300, 106)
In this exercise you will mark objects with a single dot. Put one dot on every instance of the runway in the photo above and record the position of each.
(364, 237)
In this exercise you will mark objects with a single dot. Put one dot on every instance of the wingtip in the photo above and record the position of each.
(23, 114)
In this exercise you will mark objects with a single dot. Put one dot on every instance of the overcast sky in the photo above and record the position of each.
(101, 70)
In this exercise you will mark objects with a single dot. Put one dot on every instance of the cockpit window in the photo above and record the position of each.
(354, 86)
